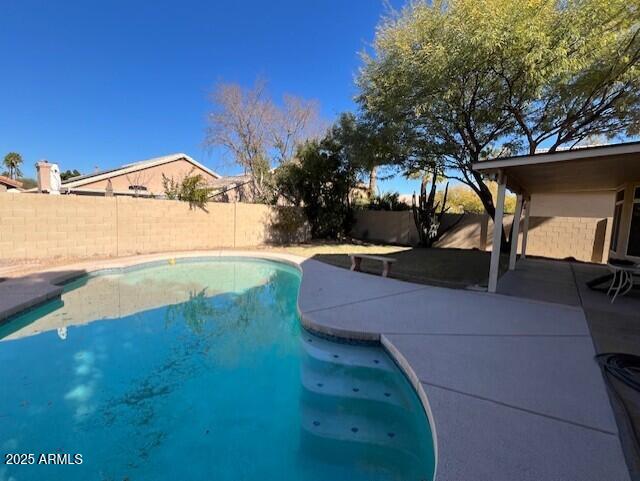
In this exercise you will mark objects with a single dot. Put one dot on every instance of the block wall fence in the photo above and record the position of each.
(583, 238)
(35, 226)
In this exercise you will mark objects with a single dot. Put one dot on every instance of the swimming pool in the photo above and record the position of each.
(200, 370)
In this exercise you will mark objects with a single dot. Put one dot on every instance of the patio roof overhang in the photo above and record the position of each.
(579, 170)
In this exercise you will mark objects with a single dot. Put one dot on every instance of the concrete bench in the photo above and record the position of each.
(356, 260)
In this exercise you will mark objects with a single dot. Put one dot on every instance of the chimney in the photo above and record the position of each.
(43, 169)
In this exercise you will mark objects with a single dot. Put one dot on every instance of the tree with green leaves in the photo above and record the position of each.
(461, 199)
(192, 189)
(568, 70)
(321, 180)
(369, 145)
(28, 182)
(387, 201)
(471, 79)
(12, 161)
(68, 174)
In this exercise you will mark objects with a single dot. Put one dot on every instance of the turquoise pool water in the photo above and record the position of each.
(200, 371)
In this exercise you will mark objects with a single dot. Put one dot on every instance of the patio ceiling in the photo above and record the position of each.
(578, 170)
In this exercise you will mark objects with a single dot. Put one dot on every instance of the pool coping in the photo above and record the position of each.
(37, 288)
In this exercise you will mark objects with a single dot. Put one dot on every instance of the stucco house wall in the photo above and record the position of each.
(597, 204)
(150, 177)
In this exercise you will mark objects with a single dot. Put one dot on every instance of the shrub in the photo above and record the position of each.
(388, 201)
(320, 180)
(192, 189)
(289, 225)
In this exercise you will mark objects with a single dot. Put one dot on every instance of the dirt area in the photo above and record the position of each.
(446, 267)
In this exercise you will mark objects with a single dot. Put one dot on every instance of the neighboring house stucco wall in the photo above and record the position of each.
(150, 177)
(235, 192)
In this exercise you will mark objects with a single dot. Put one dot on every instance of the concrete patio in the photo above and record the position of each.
(510, 384)
(506, 378)
(614, 327)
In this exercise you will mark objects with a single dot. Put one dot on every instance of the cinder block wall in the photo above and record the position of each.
(148, 225)
(253, 229)
(384, 226)
(586, 239)
(35, 226)
(472, 231)
(469, 231)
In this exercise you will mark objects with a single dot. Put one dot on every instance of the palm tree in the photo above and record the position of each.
(12, 162)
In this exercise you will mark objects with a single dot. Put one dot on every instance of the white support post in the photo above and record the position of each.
(515, 232)
(525, 228)
(497, 234)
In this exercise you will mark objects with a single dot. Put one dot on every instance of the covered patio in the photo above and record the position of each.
(566, 282)
(608, 174)
(575, 180)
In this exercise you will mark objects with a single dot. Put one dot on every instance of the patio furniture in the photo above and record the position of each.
(622, 280)
(603, 283)
(356, 261)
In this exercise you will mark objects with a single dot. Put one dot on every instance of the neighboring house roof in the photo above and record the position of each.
(10, 183)
(133, 167)
(225, 184)
(229, 181)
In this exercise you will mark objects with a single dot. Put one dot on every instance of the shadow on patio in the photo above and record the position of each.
(454, 268)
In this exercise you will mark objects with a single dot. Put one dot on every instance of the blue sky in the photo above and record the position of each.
(100, 84)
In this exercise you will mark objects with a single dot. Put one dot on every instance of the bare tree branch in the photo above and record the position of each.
(257, 133)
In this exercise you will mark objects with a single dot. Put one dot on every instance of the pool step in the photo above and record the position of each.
(382, 463)
(328, 380)
(346, 354)
(356, 427)
(394, 416)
